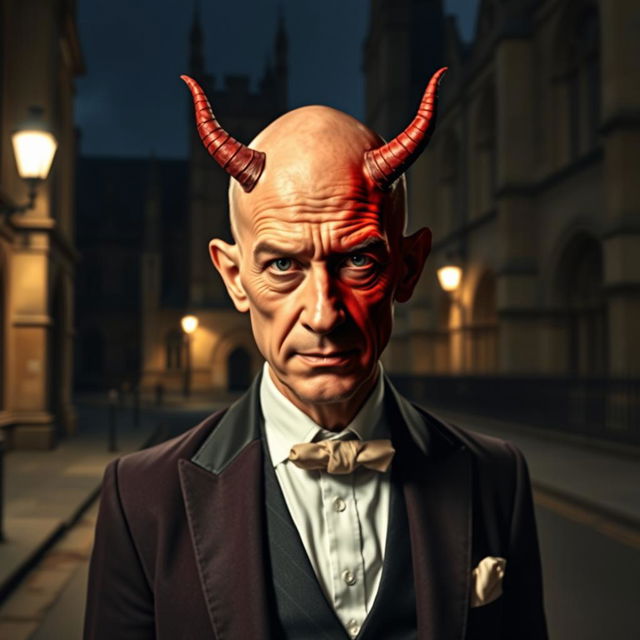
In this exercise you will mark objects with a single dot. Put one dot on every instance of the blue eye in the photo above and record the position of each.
(282, 264)
(359, 260)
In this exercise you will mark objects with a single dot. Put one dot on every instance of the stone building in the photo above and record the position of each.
(530, 186)
(168, 210)
(39, 58)
(222, 354)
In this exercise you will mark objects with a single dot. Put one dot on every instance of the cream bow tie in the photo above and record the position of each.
(343, 456)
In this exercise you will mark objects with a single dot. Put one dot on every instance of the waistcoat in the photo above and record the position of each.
(300, 610)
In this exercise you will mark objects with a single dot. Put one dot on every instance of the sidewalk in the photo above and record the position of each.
(602, 480)
(46, 491)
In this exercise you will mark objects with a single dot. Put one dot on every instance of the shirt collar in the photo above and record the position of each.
(286, 425)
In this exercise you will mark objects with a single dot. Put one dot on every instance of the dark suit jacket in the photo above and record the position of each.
(180, 550)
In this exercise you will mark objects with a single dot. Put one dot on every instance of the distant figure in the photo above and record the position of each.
(322, 504)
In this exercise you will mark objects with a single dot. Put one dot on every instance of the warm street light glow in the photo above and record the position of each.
(34, 151)
(34, 146)
(449, 277)
(189, 324)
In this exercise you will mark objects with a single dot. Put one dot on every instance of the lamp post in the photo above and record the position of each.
(34, 147)
(449, 278)
(189, 325)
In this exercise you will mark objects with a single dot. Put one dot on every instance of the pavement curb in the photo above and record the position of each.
(12, 582)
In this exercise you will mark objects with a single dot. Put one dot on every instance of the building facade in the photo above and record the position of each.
(39, 58)
(529, 186)
(168, 210)
(221, 354)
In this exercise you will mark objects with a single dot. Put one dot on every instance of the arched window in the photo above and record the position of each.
(484, 149)
(449, 183)
(580, 288)
(579, 75)
(484, 327)
(174, 347)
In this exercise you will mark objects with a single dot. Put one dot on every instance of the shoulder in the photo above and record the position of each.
(498, 464)
(150, 476)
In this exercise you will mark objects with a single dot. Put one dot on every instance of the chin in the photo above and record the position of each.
(326, 388)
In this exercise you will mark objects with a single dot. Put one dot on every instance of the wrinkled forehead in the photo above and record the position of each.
(313, 175)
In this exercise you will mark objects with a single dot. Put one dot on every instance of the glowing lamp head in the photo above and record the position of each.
(449, 277)
(189, 324)
(34, 147)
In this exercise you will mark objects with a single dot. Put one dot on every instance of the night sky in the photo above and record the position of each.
(131, 101)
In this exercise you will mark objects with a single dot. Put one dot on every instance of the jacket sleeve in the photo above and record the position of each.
(119, 597)
(523, 610)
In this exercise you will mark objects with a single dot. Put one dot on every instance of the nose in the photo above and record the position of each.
(322, 310)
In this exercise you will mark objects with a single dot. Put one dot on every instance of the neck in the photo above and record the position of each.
(333, 416)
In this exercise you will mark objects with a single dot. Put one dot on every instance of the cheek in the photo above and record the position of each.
(272, 316)
(371, 309)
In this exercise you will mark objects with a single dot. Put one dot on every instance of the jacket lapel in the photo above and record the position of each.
(437, 479)
(222, 486)
(223, 490)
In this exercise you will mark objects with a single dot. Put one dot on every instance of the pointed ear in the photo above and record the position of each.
(226, 259)
(413, 254)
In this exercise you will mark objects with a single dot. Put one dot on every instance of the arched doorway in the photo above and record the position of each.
(484, 327)
(238, 369)
(581, 295)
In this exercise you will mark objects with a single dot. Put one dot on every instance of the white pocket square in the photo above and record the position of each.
(486, 581)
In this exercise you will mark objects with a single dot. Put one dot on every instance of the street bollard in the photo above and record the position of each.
(113, 436)
(2, 448)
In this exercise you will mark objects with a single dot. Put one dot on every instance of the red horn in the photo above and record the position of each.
(386, 164)
(240, 162)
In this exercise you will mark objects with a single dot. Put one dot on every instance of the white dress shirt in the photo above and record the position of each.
(342, 519)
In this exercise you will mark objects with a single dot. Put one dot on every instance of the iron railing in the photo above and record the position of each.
(607, 409)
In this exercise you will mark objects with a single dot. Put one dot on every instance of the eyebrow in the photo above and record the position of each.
(264, 246)
(371, 243)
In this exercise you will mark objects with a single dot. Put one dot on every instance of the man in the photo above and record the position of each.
(322, 504)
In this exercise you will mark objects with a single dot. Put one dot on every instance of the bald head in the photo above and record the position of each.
(319, 260)
(314, 157)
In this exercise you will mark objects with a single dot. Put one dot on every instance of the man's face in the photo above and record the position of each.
(318, 263)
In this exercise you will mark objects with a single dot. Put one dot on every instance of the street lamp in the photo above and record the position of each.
(34, 147)
(189, 325)
(449, 277)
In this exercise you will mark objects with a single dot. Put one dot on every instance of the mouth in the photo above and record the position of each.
(328, 358)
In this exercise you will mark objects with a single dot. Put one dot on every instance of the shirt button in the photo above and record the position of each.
(339, 505)
(349, 578)
(353, 628)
